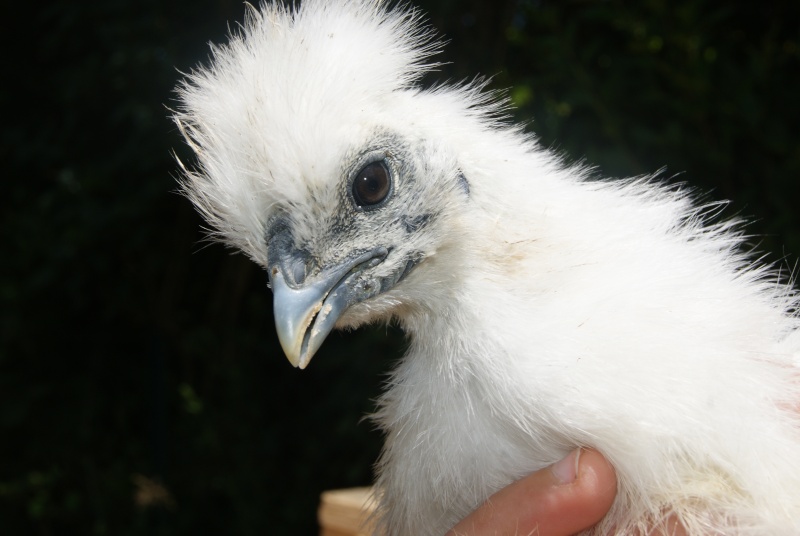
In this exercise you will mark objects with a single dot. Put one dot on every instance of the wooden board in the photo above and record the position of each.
(345, 512)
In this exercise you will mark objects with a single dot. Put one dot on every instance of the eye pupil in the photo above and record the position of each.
(372, 185)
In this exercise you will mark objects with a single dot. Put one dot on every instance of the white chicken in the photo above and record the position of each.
(545, 310)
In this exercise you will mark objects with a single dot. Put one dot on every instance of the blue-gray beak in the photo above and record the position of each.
(306, 312)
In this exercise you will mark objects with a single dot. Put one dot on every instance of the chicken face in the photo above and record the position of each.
(356, 240)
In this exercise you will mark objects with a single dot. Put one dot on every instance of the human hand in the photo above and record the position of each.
(567, 497)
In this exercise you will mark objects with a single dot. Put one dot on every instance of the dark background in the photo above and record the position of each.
(141, 387)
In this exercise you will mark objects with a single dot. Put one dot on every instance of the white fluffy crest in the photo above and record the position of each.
(279, 88)
(546, 311)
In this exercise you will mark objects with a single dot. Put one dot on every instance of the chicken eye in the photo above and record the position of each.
(372, 185)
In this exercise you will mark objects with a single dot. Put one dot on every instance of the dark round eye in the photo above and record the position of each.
(372, 184)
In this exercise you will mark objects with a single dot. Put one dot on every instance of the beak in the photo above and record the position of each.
(306, 313)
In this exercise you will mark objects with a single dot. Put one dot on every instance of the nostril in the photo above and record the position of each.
(298, 269)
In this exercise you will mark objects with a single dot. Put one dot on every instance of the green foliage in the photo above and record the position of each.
(143, 390)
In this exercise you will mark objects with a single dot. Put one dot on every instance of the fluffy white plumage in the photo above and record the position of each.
(545, 310)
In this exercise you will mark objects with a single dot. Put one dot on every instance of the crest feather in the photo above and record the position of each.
(282, 82)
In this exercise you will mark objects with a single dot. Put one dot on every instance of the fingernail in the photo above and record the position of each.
(566, 471)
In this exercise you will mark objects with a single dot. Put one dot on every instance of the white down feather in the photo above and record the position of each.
(551, 310)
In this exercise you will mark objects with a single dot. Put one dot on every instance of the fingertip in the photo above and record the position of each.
(565, 498)
(597, 482)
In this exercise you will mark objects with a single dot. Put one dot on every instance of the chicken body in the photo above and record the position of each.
(545, 310)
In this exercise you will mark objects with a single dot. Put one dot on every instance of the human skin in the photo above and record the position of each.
(569, 496)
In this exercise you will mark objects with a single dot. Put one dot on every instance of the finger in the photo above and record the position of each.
(559, 500)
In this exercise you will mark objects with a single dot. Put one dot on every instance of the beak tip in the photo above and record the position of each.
(303, 358)
(293, 356)
(296, 356)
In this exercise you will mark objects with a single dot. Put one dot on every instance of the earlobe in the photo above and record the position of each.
(463, 183)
